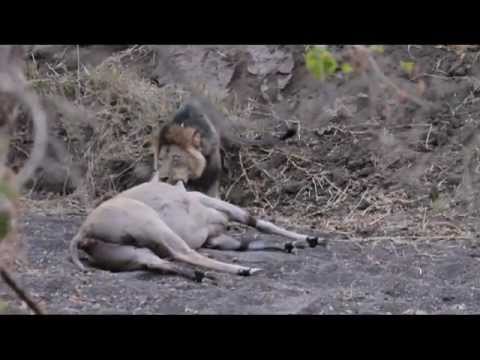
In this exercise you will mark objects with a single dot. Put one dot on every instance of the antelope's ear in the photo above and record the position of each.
(196, 139)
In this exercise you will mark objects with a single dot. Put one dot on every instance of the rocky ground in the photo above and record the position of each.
(348, 277)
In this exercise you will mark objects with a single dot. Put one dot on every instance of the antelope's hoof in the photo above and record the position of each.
(210, 276)
(198, 276)
(312, 241)
(289, 247)
(254, 271)
(248, 272)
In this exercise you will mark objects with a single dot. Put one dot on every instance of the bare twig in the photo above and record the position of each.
(244, 173)
(21, 293)
(428, 138)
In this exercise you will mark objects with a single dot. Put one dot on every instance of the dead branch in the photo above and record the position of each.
(14, 91)
(12, 82)
(21, 293)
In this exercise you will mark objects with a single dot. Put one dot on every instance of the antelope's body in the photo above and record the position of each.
(150, 225)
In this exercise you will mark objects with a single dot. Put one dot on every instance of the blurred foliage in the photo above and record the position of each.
(3, 306)
(5, 225)
(407, 67)
(320, 62)
(377, 48)
(7, 194)
(7, 190)
(347, 68)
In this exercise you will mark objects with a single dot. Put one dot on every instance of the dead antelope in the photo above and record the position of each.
(145, 227)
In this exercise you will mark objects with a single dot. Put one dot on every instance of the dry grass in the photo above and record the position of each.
(108, 114)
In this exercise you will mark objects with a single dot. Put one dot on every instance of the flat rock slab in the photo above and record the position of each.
(347, 277)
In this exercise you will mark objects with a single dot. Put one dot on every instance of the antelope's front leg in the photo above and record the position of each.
(226, 242)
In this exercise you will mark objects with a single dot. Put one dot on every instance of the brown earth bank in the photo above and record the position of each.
(392, 182)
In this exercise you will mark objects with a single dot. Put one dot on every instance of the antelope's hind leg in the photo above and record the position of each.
(129, 222)
(117, 258)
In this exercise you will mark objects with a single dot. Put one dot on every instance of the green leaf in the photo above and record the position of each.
(320, 62)
(407, 66)
(347, 68)
(7, 194)
(3, 306)
(7, 190)
(5, 225)
(440, 204)
(377, 48)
